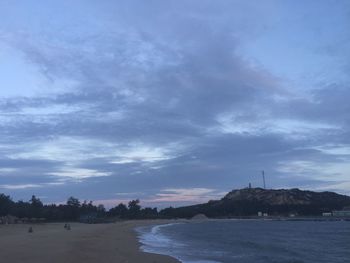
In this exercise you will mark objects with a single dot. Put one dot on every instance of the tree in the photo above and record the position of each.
(72, 208)
(120, 210)
(149, 212)
(101, 210)
(35, 202)
(134, 208)
(72, 201)
(36, 207)
(6, 204)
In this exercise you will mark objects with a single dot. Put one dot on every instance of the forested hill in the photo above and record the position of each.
(250, 201)
(287, 197)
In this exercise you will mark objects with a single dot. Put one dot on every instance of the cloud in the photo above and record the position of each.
(28, 186)
(142, 153)
(78, 174)
(182, 196)
(176, 106)
(19, 186)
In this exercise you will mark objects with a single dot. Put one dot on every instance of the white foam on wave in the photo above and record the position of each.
(154, 241)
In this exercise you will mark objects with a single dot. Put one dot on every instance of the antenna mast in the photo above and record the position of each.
(263, 176)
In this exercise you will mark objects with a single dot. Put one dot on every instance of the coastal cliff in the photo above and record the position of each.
(287, 197)
(277, 202)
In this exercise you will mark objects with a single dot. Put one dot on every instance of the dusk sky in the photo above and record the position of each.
(172, 102)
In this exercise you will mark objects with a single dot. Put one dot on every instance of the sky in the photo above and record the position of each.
(172, 102)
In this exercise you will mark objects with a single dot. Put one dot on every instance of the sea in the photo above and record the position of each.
(248, 241)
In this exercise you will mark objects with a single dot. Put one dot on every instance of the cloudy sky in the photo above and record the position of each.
(172, 102)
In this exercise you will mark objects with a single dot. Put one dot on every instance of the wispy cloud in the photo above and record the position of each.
(19, 186)
(183, 195)
(79, 174)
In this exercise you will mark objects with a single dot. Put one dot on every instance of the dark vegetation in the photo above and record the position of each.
(72, 210)
(244, 202)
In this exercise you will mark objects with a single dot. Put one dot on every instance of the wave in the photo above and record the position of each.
(154, 241)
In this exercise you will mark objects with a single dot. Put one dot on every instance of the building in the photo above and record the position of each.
(342, 213)
(326, 214)
(262, 214)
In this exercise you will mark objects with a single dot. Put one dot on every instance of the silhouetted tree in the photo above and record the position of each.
(73, 202)
(72, 208)
(6, 204)
(149, 213)
(120, 211)
(36, 207)
(134, 208)
(101, 210)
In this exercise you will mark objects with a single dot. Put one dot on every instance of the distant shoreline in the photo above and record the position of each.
(281, 218)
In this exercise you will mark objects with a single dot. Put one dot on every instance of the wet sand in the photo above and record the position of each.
(99, 243)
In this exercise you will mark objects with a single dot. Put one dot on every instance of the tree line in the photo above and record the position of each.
(74, 210)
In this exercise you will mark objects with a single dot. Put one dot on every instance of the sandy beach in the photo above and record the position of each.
(99, 243)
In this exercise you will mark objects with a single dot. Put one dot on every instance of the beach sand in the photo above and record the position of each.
(98, 243)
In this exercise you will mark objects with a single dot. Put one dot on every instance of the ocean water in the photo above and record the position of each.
(248, 241)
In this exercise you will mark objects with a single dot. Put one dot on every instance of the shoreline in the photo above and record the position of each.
(97, 243)
(154, 222)
(86, 243)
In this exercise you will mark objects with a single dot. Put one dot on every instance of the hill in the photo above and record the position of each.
(279, 202)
